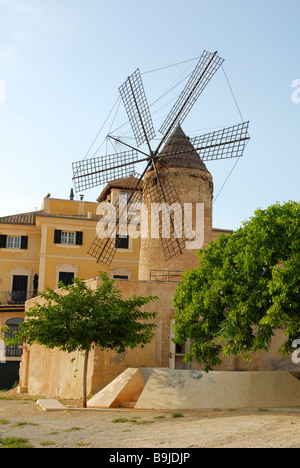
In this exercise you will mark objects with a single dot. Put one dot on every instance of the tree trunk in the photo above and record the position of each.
(85, 368)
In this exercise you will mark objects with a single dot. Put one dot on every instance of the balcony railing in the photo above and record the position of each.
(12, 298)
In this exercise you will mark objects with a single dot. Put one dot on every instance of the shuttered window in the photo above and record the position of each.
(13, 242)
(68, 237)
(122, 242)
(3, 240)
(66, 277)
(79, 237)
(24, 242)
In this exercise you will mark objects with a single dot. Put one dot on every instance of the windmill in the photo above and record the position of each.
(229, 142)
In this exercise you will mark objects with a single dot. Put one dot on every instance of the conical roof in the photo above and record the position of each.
(179, 141)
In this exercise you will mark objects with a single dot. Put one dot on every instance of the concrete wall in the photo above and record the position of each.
(51, 373)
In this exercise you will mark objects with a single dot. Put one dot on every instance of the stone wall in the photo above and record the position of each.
(50, 373)
(192, 186)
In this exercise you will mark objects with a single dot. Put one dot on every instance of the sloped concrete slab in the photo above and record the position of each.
(50, 405)
(181, 389)
(166, 389)
(119, 390)
(122, 389)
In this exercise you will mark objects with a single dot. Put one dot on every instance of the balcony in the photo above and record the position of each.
(15, 298)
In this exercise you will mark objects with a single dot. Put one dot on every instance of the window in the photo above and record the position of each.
(121, 277)
(66, 277)
(125, 195)
(19, 289)
(13, 325)
(68, 237)
(122, 242)
(13, 242)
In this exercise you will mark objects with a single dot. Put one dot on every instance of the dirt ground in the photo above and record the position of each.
(122, 428)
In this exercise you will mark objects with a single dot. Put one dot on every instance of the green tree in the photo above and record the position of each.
(247, 285)
(79, 318)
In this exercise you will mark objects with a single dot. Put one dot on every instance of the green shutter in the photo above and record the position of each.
(3, 240)
(24, 242)
(57, 236)
(79, 237)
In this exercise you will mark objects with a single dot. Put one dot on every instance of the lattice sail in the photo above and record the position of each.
(174, 231)
(205, 69)
(158, 185)
(113, 225)
(229, 142)
(136, 105)
(93, 172)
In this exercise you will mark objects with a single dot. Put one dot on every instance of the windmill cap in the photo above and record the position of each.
(191, 159)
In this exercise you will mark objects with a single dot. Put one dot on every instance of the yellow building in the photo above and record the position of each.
(41, 248)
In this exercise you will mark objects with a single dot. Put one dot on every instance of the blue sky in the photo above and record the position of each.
(62, 61)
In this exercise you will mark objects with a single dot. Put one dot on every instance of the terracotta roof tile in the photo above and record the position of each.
(21, 218)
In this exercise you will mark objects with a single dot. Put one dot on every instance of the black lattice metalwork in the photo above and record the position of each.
(103, 249)
(115, 223)
(93, 172)
(168, 212)
(136, 105)
(227, 143)
(206, 68)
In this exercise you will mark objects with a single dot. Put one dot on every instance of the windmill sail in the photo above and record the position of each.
(178, 151)
(229, 142)
(93, 172)
(205, 69)
(111, 228)
(168, 213)
(136, 105)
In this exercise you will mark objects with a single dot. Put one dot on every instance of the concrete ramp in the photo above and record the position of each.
(167, 389)
(121, 389)
(199, 390)
(127, 387)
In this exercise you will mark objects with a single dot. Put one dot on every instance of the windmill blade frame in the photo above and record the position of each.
(135, 102)
(205, 69)
(228, 142)
(110, 231)
(92, 172)
(168, 211)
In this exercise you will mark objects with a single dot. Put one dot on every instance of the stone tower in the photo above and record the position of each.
(194, 185)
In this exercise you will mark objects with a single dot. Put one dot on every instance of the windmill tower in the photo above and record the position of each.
(174, 173)
(194, 186)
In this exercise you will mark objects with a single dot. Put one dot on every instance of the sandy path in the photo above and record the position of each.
(151, 429)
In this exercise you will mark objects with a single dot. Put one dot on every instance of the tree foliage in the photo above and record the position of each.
(247, 285)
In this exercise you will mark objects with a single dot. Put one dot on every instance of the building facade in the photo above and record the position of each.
(41, 248)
